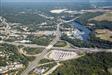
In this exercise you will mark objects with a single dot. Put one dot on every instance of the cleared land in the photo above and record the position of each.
(104, 17)
(104, 34)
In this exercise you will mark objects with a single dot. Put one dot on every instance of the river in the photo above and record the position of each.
(84, 30)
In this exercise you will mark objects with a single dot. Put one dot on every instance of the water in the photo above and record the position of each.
(84, 30)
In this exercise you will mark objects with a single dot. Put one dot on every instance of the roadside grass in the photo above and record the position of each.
(60, 44)
(33, 51)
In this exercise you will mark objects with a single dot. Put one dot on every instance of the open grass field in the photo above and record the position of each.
(104, 34)
(104, 17)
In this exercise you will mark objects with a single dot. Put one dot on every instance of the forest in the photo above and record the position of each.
(90, 64)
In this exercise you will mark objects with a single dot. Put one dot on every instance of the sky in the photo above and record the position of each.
(43, 0)
(53, 0)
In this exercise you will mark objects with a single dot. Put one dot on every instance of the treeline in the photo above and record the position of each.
(40, 40)
(76, 42)
(83, 19)
(101, 25)
(99, 43)
(92, 42)
(24, 18)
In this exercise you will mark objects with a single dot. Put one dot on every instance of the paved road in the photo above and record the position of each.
(52, 69)
(87, 50)
(34, 64)
(22, 51)
(45, 63)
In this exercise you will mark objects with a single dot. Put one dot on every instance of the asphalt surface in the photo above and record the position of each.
(34, 64)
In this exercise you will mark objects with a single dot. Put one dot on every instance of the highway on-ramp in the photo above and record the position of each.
(34, 63)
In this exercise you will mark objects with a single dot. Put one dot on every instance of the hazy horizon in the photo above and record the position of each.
(55, 1)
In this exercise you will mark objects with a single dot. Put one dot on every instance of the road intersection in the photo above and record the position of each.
(41, 55)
